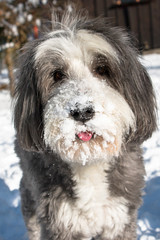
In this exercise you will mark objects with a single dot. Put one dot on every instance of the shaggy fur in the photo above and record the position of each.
(84, 78)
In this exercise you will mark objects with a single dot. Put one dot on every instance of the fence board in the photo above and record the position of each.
(156, 23)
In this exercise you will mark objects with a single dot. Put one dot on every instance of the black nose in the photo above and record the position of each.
(82, 115)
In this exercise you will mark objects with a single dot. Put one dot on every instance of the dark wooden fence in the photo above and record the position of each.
(142, 17)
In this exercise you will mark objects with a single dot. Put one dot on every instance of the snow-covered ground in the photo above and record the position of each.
(11, 221)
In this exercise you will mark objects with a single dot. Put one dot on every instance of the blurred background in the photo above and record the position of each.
(22, 21)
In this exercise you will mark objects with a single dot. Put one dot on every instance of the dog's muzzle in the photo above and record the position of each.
(83, 114)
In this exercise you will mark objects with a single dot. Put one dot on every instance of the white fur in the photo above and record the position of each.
(111, 122)
(94, 41)
(80, 46)
(94, 210)
(34, 228)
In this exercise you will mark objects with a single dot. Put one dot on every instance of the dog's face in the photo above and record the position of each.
(85, 119)
(88, 95)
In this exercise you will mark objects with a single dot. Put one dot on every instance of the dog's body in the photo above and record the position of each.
(84, 104)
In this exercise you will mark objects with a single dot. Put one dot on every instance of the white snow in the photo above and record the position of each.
(12, 27)
(11, 221)
(6, 45)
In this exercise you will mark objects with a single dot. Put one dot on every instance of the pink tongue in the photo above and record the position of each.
(85, 136)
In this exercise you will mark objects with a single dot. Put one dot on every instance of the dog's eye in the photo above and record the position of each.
(103, 71)
(58, 75)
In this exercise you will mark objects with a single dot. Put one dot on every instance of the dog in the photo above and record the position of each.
(84, 104)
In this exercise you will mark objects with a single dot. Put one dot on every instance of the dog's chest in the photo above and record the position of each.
(91, 187)
(94, 211)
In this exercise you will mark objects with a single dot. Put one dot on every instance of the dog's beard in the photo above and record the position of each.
(111, 122)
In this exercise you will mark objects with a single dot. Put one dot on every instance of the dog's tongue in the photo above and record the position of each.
(85, 136)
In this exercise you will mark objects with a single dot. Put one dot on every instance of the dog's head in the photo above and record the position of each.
(82, 92)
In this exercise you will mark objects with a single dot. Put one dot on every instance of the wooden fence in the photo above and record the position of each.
(142, 17)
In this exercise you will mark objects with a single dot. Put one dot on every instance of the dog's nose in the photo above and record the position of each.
(83, 115)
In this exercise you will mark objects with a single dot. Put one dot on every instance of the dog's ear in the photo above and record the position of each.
(28, 109)
(139, 93)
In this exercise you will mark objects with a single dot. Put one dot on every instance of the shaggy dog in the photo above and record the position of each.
(83, 106)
